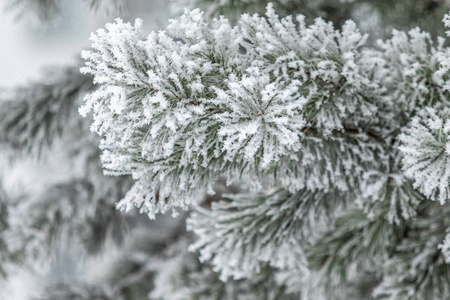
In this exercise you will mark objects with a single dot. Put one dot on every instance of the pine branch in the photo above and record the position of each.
(73, 291)
(355, 246)
(307, 111)
(377, 17)
(203, 112)
(180, 276)
(242, 234)
(73, 211)
(5, 257)
(389, 196)
(426, 153)
(35, 116)
(417, 267)
(41, 10)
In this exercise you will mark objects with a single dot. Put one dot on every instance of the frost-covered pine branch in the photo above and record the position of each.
(417, 268)
(426, 149)
(337, 146)
(210, 110)
(244, 234)
(181, 276)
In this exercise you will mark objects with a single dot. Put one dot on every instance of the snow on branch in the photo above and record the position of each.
(426, 153)
(186, 106)
(417, 267)
(243, 233)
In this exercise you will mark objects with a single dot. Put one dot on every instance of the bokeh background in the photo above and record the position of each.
(31, 50)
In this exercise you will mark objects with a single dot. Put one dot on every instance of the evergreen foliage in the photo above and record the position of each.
(261, 99)
(73, 291)
(378, 17)
(312, 161)
(4, 253)
(33, 117)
